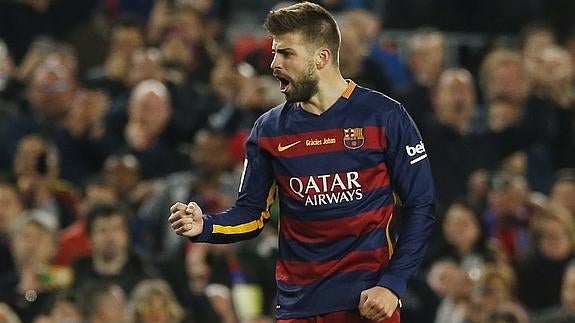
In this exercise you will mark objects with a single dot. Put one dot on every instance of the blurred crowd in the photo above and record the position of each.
(112, 110)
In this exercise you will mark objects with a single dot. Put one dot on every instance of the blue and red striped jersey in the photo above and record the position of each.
(336, 176)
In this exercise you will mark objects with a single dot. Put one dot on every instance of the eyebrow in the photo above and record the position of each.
(283, 50)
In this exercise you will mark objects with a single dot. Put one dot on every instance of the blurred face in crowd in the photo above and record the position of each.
(294, 67)
(33, 245)
(507, 79)
(122, 172)
(109, 237)
(177, 50)
(111, 306)
(515, 164)
(536, 41)
(52, 89)
(554, 240)
(556, 69)
(508, 199)
(427, 57)
(226, 80)
(455, 98)
(351, 52)
(568, 290)
(154, 309)
(126, 39)
(563, 193)
(190, 22)
(33, 158)
(210, 152)
(65, 311)
(11, 207)
(491, 292)
(442, 276)
(150, 109)
(366, 23)
(461, 228)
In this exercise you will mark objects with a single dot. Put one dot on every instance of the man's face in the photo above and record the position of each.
(33, 245)
(294, 67)
(51, 89)
(109, 237)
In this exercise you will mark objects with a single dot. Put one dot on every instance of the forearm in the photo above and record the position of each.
(410, 248)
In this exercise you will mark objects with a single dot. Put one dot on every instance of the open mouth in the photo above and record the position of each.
(284, 83)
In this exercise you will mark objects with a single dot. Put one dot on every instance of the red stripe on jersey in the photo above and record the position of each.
(336, 229)
(304, 272)
(324, 141)
(298, 188)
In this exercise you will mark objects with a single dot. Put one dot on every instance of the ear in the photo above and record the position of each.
(323, 58)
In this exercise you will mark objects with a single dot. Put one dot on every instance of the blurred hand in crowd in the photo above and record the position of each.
(86, 116)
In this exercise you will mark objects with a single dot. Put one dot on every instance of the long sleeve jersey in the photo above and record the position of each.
(336, 176)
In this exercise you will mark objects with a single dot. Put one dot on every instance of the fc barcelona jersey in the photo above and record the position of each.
(337, 176)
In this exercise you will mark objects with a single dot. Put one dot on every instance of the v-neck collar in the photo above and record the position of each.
(341, 101)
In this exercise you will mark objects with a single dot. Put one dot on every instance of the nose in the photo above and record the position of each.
(275, 62)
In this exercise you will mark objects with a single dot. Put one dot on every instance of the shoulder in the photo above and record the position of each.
(375, 100)
(274, 114)
(271, 121)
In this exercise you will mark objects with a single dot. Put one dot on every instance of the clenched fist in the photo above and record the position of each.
(377, 303)
(186, 220)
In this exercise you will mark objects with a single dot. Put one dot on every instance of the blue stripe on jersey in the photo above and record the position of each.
(317, 252)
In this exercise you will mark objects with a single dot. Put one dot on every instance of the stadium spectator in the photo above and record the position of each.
(507, 216)
(36, 171)
(113, 258)
(427, 59)
(539, 274)
(73, 241)
(34, 279)
(146, 135)
(153, 301)
(103, 302)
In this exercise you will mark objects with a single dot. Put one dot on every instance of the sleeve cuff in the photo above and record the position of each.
(206, 234)
(393, 283)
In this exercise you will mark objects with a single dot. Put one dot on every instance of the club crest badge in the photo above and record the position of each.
(353, 138)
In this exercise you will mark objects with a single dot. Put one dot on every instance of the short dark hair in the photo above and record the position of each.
(315, 24)
(93, 292)
(105, 210)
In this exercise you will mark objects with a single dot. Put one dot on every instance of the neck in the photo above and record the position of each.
(331, 86)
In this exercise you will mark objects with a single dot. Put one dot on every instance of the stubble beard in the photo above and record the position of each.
(304, 88)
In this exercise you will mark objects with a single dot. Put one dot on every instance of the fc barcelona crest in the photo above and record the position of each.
(353, 138)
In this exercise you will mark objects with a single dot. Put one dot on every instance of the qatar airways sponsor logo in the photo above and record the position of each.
(327, 189)
(417, 151)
